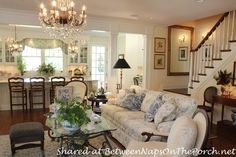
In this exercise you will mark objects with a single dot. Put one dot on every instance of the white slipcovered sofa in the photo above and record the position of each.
(131, 124)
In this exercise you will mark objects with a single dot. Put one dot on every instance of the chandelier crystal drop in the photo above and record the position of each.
(62, 21)
(14, 47)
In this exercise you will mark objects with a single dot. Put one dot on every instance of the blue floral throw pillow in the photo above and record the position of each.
(132, 101)
(150, 114)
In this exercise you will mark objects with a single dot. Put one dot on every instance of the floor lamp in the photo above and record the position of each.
(121, 64)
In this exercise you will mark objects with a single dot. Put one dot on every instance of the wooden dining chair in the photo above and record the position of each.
(37, 90)
(56, 82)
(80, 78)
(17, 91)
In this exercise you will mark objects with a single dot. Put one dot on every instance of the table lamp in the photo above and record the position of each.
(121, 64)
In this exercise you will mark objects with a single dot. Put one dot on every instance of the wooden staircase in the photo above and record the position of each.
(212, 51)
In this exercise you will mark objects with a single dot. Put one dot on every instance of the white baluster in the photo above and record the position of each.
(190, 84)
(213, 44)
(202, 58)
(219, 41)
(228, 29)
(223, 35)
(233, 25)
(216, 42)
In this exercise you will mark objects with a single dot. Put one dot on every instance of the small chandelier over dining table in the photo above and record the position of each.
(73, 48)
(14, 47)
(62, 21)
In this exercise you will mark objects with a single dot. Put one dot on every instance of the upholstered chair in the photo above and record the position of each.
(187, 133)
(79, 89)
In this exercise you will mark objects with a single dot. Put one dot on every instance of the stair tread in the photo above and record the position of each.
(209, 67)
(195, 81)
(226, 50)
(202, 74)
(231, 41)
(183, 91)
(217, 59)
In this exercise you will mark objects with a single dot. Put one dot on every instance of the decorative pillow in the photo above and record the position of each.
(64, 92)
(132, 101)
(150, 114)
(186, 107)
(165, 127)
(149, 99)
(121, 95)
(164, 111)
(183, 134)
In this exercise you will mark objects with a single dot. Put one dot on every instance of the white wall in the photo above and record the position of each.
(132, 45)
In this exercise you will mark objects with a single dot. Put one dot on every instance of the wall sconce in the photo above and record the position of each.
(182, 38)
(203, 35)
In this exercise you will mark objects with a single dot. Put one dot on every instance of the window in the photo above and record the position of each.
(98, 64)
(54, 57)
(33, 58)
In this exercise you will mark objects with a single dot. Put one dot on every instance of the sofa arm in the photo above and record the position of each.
(149, 135)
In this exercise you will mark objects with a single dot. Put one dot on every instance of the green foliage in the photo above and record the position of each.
(72, 111)
(21, 65)
(223, 77)
(46, 69)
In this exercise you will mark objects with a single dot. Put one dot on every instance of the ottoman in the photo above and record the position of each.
(25, 134)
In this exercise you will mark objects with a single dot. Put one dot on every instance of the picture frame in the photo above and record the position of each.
(234, 75)
(159, 45)
(183, 53)
(159, 61)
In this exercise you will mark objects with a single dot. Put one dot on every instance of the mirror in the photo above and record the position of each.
(179, 47)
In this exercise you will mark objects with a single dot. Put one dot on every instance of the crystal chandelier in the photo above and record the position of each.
(73, 48)
(62, 21)
(13, 45)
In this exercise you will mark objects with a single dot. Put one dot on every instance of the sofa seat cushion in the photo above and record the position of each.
(136, 127)
(110, 110)
(139, 146)
(123, 116)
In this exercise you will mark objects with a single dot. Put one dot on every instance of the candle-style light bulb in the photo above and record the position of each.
(72, 4)
(54, 3)
(41, 5)
(84, 8)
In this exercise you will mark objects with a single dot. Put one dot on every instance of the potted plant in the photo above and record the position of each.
(21, 65)
(71, 113)
(224, 79)
(46, 70)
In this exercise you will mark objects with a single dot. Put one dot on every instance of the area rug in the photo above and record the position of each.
(50, 148)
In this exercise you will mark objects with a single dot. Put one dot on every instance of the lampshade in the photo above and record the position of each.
(121, 64)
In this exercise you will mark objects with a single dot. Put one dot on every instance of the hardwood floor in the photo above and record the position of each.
(7, 119)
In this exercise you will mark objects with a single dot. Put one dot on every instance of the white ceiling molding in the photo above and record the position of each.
(94, 23)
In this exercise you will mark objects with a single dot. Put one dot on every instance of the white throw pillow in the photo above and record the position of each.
(183, 134)
(164, 111)
(149, 99)
(137, 89)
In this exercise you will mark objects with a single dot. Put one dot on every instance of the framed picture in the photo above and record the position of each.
(234, 75)
(159, 61)
(159, 45)
(183, 53)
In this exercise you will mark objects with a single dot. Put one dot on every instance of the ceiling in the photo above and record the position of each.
(164, 12)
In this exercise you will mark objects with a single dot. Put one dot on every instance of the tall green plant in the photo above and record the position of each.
(21, 65)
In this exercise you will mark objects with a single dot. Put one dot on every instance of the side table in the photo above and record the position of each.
(97, 101)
